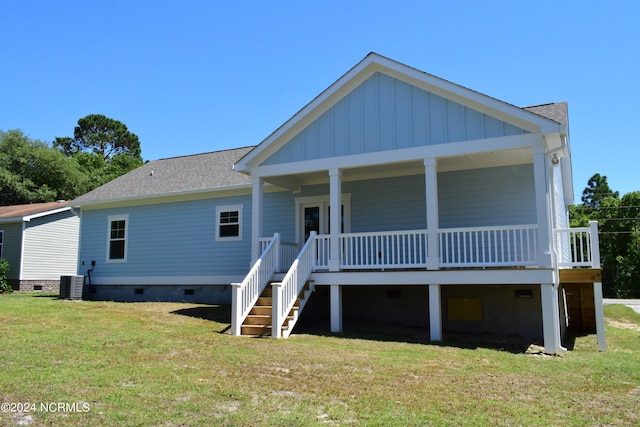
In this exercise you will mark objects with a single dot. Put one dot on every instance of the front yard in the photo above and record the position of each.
(104, 363)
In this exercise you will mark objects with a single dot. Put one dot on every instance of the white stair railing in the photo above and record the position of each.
(244, 295)
(286, 292)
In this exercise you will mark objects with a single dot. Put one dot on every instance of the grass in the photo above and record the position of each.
(166, 364)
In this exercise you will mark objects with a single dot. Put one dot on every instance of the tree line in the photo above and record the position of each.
(33, 171)
(619, 232)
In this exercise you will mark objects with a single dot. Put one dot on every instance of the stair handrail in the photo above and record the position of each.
(286, 292)
(244, 295)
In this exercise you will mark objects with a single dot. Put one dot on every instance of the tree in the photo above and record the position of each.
(619, 232)
(100, 135)
(103, 148)
(597, 189)
(32, 171)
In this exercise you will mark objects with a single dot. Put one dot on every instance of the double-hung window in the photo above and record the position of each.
(229, 222)
(117, 238)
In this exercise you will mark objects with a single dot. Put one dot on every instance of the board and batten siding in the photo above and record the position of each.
(11, 247)
(51, 247)
(384, 113)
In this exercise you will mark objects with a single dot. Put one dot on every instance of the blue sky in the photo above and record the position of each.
(196, 76)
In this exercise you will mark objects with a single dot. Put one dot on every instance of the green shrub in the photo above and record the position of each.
(4, 285)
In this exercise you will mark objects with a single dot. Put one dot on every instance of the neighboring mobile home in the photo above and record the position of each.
(452, 208)
(40, 242)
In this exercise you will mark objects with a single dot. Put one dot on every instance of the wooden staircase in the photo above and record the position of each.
(258, 322)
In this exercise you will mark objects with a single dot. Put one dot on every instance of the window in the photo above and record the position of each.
(117, 238)
(1, 243)
(229, 222)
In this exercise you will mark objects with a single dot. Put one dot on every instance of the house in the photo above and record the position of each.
(451, 205)
(40, 242)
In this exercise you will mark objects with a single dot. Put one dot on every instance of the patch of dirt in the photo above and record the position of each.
(624, 325)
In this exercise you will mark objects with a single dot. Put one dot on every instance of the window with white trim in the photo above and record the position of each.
(117, 238)
(229, 222)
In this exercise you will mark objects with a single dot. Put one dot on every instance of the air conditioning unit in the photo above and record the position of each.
(71, 287)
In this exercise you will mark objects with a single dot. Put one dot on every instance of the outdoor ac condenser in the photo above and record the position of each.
(71, 287)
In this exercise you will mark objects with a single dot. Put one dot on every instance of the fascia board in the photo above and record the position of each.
(268, 146)
(470, 98)
(238, 190)
(375, 63)
(28, 218)
(403, 155)
(41, 214)
(441, 277)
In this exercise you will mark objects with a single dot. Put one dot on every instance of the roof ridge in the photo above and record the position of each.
(206, 152)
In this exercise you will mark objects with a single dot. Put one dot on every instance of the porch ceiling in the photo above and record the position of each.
(416, 167)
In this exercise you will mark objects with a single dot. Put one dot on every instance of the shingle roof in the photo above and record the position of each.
(557, 111)
(20, 211)
(199, 172)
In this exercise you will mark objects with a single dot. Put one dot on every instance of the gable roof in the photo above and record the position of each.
(16, 213)
(172, 176)
(373, 62)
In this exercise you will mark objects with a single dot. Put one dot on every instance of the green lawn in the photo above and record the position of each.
(166, 364)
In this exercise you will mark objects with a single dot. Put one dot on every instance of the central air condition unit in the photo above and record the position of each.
(71, 287)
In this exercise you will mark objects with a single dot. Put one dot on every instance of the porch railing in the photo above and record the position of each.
(244, 295)
(388, 249)
(288, 252)
(578, 247)
(286, 292)
(488, 246)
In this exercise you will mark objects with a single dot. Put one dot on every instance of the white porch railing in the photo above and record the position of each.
(244, 295)
(488, 246)
(578, 247)
(286, 292)
(500, 246)
(388, 249)
(288, 252)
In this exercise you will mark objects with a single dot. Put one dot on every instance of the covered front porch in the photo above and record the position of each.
(480, 257)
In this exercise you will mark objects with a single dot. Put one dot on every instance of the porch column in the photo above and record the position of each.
(335, 203)
(597, 288)
(543, 206)
(600, 326)
(431, 186)
(550, 320)
(256, 216)
(435, 315)
(335, 296)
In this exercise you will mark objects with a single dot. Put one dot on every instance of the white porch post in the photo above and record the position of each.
(550, 321)
(335, 295)
(256, 216)
(335, 218)
(597, 287)
(543, 206)
(600, 327)
(431, 187)
(435, 316)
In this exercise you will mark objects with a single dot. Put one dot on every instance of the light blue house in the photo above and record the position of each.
(451, 205)
(40, 242)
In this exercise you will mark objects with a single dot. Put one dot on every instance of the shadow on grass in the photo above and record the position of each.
(377, 331)
(214, 313)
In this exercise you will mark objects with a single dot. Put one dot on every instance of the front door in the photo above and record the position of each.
(315, 214)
